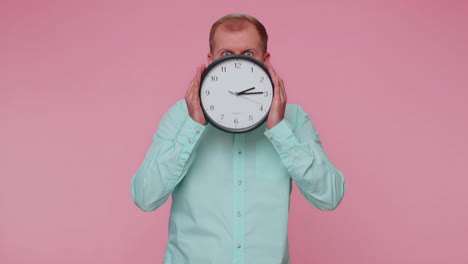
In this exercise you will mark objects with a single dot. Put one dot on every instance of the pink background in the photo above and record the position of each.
(83, 85)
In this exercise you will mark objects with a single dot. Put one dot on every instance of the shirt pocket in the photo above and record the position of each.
(268, 164)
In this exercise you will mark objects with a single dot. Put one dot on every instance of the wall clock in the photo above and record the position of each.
(236, 93)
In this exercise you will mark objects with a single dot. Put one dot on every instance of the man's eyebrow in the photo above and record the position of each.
(244, 51)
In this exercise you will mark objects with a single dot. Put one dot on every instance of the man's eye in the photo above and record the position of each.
(249, 53)
(226, 53)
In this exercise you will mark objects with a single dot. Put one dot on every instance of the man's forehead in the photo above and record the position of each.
(235, 24)
(235, 37)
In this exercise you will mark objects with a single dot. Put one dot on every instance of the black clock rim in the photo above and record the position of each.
(208, 69)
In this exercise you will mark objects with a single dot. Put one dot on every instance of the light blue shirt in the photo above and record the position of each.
(230, 192)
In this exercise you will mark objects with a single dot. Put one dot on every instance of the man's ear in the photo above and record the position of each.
(210, 58)
(266, 58)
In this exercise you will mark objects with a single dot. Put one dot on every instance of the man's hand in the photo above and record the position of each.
(278, 106)
(192, 97)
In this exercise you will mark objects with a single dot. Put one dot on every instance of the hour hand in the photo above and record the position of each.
(242, 92)
(246, 90)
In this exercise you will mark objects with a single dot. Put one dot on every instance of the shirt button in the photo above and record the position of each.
(278, 147)
(239, 151)
(239, 214)
(181, 164)
(190, 141)
(291, 170)
(270, 136)
(238, 245)
(239, 182)
(197, 130)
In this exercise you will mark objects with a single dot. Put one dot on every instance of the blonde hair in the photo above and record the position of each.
(236, 22)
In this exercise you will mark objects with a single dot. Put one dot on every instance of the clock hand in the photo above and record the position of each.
(242, 92)
(252, 93)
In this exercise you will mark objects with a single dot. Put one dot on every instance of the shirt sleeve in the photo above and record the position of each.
(168, 159)
(302, 154)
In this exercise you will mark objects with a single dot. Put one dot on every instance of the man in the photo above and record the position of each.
(230, 192)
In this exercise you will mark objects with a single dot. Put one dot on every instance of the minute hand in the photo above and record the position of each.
(251, 93)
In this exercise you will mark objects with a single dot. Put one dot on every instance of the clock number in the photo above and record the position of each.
(207, 92)
(237, 65)
(222, 116)
(265, 94)
(223, 69)
(251, 68)
(236, 121)
(262, 79)
(261, 108)
(250, 117)
(211, 107)
(214, 78)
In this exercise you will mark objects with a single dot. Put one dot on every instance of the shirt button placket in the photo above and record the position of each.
(239, 168)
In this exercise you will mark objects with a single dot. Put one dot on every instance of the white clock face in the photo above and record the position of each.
(236, 93)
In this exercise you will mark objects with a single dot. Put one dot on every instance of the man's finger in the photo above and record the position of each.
(283, 90)
(272, 71)
(278, 83)
(189, 89)
(194, 85)
(198, 78)
(280, 90)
